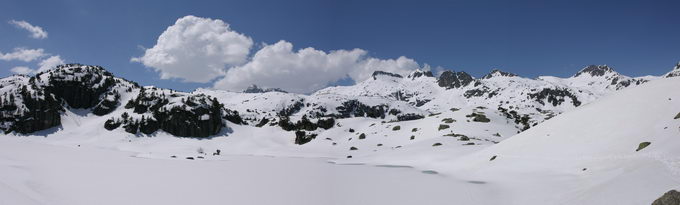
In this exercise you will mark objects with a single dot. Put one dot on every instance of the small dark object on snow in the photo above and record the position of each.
(643, 145)
(349, 156)
(492, 158)
(353, 148)
(413, 137)
(362, 136)
(173, 156)
(200, 157)
(677, 116)
(584, 169)
(671, 197)
(217, 152)
(437, 144)
(351, 130)
(191, 158)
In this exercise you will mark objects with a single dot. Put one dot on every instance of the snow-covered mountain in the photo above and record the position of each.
(34, 103)
(453, 125)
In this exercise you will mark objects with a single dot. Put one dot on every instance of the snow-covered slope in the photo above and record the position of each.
(621, 149)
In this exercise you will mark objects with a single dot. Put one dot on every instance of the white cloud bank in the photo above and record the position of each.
(308, 69)
(37, 32)
(23, 54)
(196, 49)
(43, 65)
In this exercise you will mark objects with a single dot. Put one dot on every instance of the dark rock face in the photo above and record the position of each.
(554, 96)
(377, 73)
(43, 112)
(450, 79)
(301, 137)
(675, 72)
(496, 72)
(418, 74)
(595, 70)
(354, 108)
(80, 86)
(196, 115)
(671, 197)
(409, 116)
(306, 124)
(256, 89)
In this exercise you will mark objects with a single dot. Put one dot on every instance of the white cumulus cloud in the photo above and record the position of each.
(23, 54)
(196, 49)
(49, 63)
(308, 69)
(37, 32)
(43, 65)
(22, 70)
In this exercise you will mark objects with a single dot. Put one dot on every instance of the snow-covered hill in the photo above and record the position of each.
(455, 126)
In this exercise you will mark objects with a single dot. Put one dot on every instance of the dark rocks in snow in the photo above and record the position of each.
(443, 127)
(409, 116)
(419, 73)
(449, 79)
(378, 73)
(677, 116)
(196, 115)
(478, 117)
(306, 124)
(362, 136)
(354, 108)
(301, 137)
(256, 89)
(522, 120)
(554, 96)
(437, 144)
(496, 72)
(493, 158)
(642, 145)
(675, 72)
(671, 197)
(595, 70)
(80, 86)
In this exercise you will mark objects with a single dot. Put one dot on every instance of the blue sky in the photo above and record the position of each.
(529, 38)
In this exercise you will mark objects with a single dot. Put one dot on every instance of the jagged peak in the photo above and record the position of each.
(498, 73)
(675, 72)
(420, 73)
(379, 72)
(452, 79)
(595, 70)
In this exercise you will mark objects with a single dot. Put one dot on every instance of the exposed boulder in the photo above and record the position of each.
(671, 197)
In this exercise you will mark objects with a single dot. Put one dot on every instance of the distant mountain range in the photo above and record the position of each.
(33, 103)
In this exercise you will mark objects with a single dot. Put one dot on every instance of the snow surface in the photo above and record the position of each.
(584, 156)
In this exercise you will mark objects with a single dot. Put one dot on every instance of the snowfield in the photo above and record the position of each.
(621, 148)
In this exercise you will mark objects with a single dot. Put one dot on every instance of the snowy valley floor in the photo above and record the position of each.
(34, 173)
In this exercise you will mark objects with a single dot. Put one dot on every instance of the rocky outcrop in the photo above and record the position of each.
(671, 197)
(180, 115)
(419, 73)
(256, 89)
(450, 79)
(595, 70)
(675, 72)
(498, 73)
(554, 96)
(379, 73)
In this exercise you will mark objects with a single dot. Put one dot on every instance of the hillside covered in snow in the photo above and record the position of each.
(585, 139)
